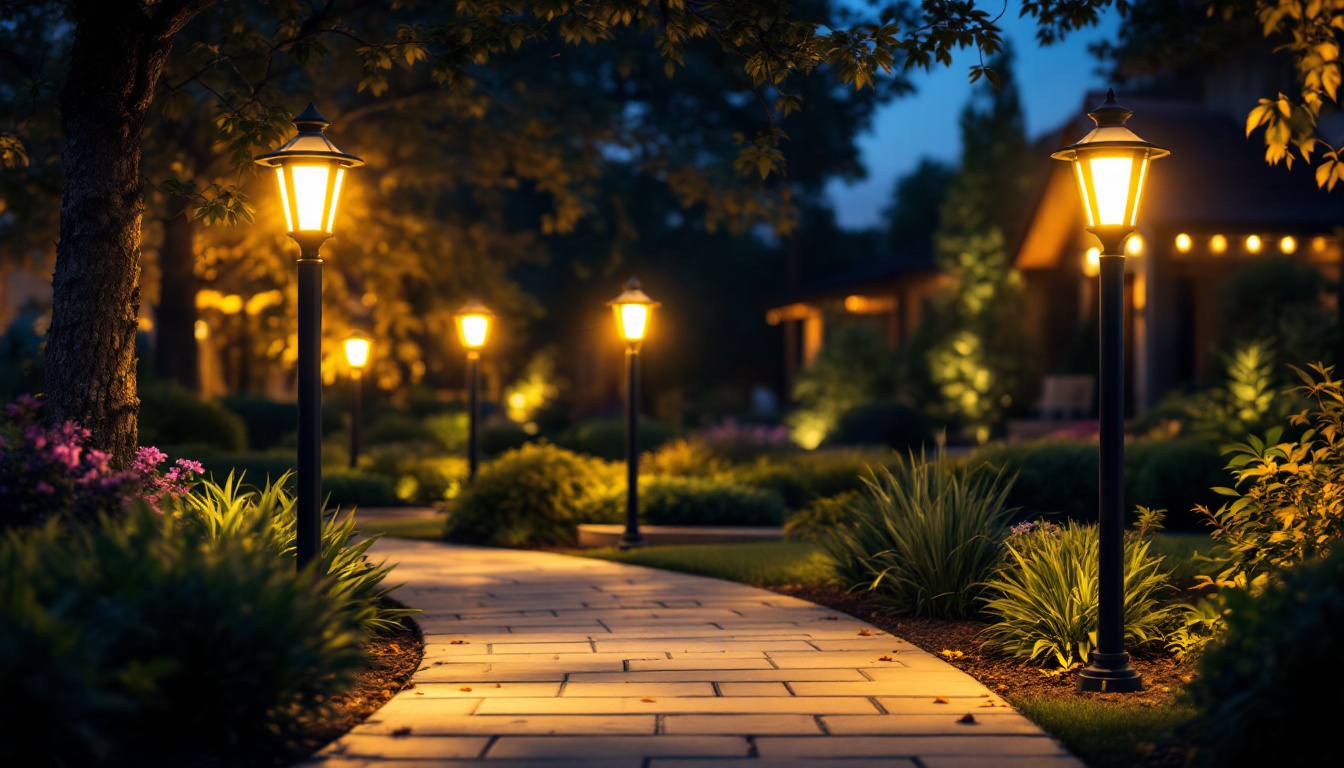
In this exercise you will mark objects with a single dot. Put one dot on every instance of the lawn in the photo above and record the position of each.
(424, 528)
(775, 563)
(1106, 734)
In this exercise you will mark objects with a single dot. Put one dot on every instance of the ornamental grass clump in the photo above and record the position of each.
(1043, 598)
(926, 538)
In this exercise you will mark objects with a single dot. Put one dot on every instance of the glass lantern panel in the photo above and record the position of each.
(1082, 190)
(310, 195)
(1138, 189)
(335, 198)
(357, 352)
(474, 329)
(284, 199)
(1110, 186)
(634, 320)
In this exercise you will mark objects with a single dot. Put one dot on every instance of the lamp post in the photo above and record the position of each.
(357, 355)
(634, 310)
(1111, 165)
(310, 171)
(473, 328)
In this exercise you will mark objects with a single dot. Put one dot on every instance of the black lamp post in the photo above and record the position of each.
(634, 310)
(356, 355)
(1111, 165)
(474, 320)
(310, 171)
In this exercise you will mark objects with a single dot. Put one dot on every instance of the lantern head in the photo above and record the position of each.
(310, 171)
(357, 351)
(634, 310)
(474, 320)
(1111, 165)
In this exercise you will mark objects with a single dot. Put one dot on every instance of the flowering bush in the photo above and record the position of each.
(45, 471)
(734, 440)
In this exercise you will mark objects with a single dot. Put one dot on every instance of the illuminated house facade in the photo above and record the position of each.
(1208, 209)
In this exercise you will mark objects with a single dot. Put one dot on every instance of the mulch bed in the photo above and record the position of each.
(1162, 674)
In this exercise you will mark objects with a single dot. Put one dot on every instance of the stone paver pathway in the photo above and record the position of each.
(536, 660)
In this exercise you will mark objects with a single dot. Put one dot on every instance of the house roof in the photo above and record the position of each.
(909, 259)
(1216, 177)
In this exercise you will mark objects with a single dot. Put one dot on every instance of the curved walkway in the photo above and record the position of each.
(537, 660)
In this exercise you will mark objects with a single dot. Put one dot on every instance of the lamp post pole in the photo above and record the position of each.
(632, 537)
(473, 412)
(1111, 165)
(356, 387)
(308, 534)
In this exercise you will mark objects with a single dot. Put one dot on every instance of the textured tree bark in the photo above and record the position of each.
(118, 51)
(175, 350)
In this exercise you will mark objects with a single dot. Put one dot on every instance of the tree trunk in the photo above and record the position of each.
(175, 352)
(116, 57)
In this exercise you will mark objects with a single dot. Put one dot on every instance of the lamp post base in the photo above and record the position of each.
(631, 540)
(1110, 673)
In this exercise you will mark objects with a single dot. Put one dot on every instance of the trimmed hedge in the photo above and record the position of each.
(171, 415)
(803, 477)
(697, 501)
(605, 438)
(892, 424)
(352, 488)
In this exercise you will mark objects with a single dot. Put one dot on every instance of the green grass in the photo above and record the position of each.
(1105, 734)
(428, 529)
(766, 564)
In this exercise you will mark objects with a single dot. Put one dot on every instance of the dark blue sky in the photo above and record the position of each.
(1052, 81)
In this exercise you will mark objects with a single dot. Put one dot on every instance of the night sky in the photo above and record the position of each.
(1052, 81)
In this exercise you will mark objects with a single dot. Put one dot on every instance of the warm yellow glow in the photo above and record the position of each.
(856, 304)
(1134, 245)
(1138, 192)
(231, 304)
(1082, 188)
(284, 198)
(1288, 244)
(474, 329)
(1318, 244)
(518, 400)
(1218, 244)
(335, 198)
(1110, 184)
(357, 352)
(1253, 243)
(1092, 262)
(202, 330)
(144, 324)
(634, 320)
(1183, 243)
(310, 195)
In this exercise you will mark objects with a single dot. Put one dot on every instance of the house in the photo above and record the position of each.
(1207, 210)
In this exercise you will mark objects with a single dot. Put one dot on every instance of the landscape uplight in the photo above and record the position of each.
(310, 173)
(1111, 165)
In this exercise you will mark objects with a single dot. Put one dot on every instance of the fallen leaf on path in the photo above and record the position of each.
(950, 655)
(884, 658)
(989, 704)
(459, 642)
(830, 618)
(419, 693)
(405, 730)
(648, 699)
(497, 685)
(939, 700)
(465, 688)
(865, 633)
(967, 719)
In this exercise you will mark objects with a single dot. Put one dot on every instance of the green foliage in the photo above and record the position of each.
(683, 458)
(351, 488)
(927, 539)
(1262, 687)
(536, 494)
(231, 509)
(1106, 733)
(853, 369)
(170, 415)
(1044, 596)
(707, 501)
(892, 424)
(802, 477)
(821, 517)
(153, 635)
(918, 196)
(1280, 304)
(605, 438)
(774, 563)
(499, 437)
(1052, 476)
(1287, 505)
(268, 421)
(1174, 474)
(262, 467)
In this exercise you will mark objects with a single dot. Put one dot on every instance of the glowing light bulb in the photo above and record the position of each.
(1288, 244)
(1092, 262)
(1183, 243)
(1218, 244)
(1134, 246)
(1110, 183)
(634, 318)
(357, 352)
(475, 329)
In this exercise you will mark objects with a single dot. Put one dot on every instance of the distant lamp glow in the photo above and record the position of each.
(473, 324)
(1318, 245)
(310, 171)
(1288, 245)
(634, 310)
(1218, 244)
(1111, 166)
(357, 351)
(202, 330)
(1134, 245)
(1092, 262)
(1183, 243)
(1253, 244)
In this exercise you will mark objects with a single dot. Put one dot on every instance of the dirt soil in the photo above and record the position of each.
(1162, 674)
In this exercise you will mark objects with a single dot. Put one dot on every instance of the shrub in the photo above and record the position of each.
(1254, 684)
(738, 441)
(500, 437)
(855, 367)
(605, 438)
(536, 494)
(399, 429)
(1174, 474)
(150, 635)
(260, 467)
(802, 477)
(699, 501)
(822, 517)
(1044, 597)
(891, 424)
(1052, 476)
(273, 423)
(683, 458)
(352, 488)
(1287, 507)
(170, 415)
(927, 539)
